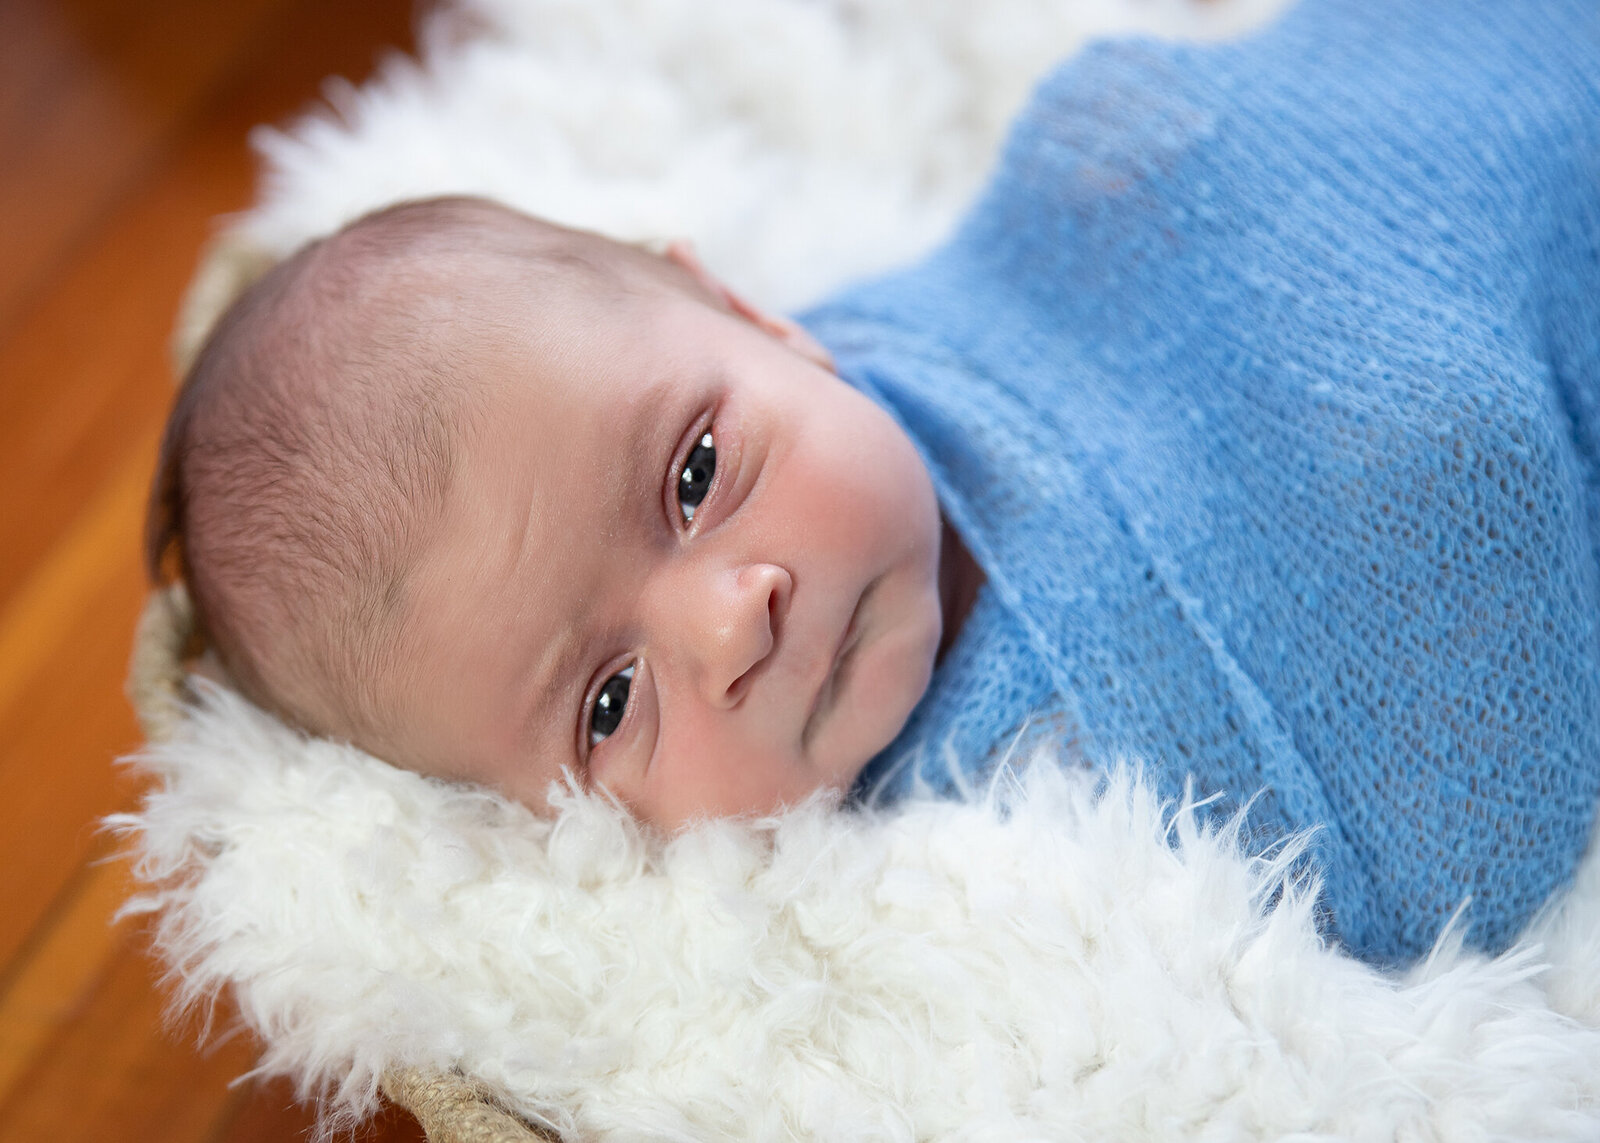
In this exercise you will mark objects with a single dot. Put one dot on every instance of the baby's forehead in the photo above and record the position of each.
(446, 275)
(465, 243)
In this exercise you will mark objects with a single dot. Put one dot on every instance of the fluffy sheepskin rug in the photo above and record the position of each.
(799, 143)
(1059, 959)
(1062, 958)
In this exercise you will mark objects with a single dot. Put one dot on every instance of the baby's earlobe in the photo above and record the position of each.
(785, 329)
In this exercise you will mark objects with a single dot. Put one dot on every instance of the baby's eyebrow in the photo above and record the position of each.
(651, 414)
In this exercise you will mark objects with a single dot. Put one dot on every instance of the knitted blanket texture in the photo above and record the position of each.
(1264, 383)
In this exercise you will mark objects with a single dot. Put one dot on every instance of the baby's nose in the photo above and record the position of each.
(735, 628)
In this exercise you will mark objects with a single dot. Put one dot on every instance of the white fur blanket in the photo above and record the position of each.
(1059, 961)
(1046, 964)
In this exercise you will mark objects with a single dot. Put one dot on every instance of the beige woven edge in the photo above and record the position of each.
(155, 670)
(453, 1109)
(450, 1108)
(229, 264)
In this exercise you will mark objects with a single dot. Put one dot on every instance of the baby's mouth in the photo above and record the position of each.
(838, 669)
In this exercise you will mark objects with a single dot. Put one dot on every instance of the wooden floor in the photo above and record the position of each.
(122, 134)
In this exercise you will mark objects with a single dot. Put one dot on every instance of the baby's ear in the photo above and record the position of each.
(786, 330)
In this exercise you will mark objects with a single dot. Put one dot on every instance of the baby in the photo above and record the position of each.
(495, 499)
(1249, 426)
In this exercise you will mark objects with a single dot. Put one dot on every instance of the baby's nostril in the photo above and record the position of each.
(741, 686)
(736, 689)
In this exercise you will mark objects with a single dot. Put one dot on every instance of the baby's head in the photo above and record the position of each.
(491, 498)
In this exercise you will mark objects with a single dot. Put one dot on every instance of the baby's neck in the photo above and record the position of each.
(960, 577)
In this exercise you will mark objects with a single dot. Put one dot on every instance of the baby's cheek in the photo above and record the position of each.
(722, 782)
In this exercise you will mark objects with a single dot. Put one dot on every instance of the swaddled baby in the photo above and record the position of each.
(496, 499)
(1249, 426)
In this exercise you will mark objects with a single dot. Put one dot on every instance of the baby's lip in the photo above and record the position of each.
(838, 665)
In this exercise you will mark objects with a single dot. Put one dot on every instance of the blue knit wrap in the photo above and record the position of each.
(1264, 383)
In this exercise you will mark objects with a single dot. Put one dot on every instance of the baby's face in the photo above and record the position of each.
(680, 559)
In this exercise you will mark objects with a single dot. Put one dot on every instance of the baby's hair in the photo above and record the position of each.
(312, 445)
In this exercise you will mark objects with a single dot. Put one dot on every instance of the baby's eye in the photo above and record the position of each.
(695, 479)
(609, 706)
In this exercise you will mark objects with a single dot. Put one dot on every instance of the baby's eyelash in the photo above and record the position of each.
(694, 479)
(609, 706)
